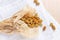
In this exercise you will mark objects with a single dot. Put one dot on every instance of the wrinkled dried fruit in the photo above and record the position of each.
(33, 21)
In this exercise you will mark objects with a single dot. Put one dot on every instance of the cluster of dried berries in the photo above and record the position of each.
(33, 21)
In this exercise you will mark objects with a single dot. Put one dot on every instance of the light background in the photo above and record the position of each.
(53, 6)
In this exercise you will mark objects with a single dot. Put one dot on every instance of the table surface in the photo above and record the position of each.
(53, 7)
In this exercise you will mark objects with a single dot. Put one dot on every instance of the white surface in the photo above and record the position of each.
(9, 8)
(6, 10)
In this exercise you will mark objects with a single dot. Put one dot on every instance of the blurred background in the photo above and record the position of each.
(53, 6)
